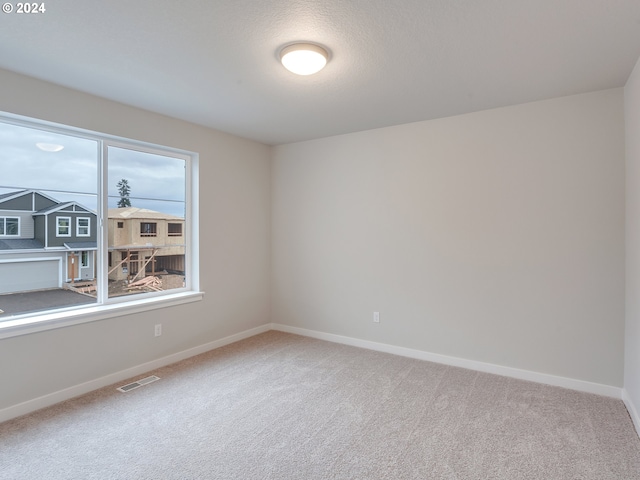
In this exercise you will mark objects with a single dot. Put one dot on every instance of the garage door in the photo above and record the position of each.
(25, 276)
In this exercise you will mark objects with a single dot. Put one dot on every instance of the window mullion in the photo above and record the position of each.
(103, 212)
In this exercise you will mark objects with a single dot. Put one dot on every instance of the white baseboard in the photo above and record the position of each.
(580, 385)
(71, 392)
(631, 408)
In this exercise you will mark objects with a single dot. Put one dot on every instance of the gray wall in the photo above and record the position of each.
(496, 236)
(234, 260)
(632, 334)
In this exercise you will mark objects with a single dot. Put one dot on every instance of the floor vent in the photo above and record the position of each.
(138, 383)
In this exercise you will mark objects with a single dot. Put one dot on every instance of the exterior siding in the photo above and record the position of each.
(23, 203)
(93, 236)
(39, 229)
(27, 202)
(26, 222)
(26, 225)
(55, 241)
(52, 229)
(42, 202)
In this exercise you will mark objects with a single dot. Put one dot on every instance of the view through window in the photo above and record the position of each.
(146, 194)
(57, 189)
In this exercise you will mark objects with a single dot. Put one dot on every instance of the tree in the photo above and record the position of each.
(124, 190)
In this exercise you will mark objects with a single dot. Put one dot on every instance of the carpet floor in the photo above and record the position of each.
(281, 406)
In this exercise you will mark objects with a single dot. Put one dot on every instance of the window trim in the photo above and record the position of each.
(78, 227)
(4, 226)
(65, 317)
(116, 306)
(58, 234)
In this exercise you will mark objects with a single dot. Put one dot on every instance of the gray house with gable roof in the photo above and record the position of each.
(44, 243)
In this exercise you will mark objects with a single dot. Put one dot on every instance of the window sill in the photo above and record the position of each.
(64, 318)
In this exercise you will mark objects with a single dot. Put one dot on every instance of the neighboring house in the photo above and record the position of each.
(43, 242)
(144, 242)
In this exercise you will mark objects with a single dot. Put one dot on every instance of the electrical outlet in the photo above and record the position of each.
(158, 330)
(376, 317)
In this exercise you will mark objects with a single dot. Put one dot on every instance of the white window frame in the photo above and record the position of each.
(106, 307)
(4, 227)
(78, 227)
(68, 219)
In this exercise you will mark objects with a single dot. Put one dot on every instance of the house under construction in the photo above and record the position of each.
(144, 242)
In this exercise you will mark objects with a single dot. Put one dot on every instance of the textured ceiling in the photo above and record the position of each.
(215, 62)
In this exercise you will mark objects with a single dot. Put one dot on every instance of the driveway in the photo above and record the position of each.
(28, 302)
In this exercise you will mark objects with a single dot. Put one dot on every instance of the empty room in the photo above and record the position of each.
(330, 239)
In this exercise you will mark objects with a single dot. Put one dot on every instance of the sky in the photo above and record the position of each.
(157, 182)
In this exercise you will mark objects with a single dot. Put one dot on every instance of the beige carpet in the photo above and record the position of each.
(280, 406)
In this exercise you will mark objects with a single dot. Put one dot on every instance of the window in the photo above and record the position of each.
(71, 203)
(175, 229)
(64, 226)
(148, 229)
(9, 226)
(83, 226)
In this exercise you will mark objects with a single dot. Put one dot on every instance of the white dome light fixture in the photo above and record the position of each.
(304, 58)
(49, 147)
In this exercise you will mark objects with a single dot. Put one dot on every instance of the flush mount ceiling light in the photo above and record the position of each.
(49, 147)
(304, 58)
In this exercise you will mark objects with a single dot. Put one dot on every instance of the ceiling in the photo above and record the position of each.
(215, 63)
